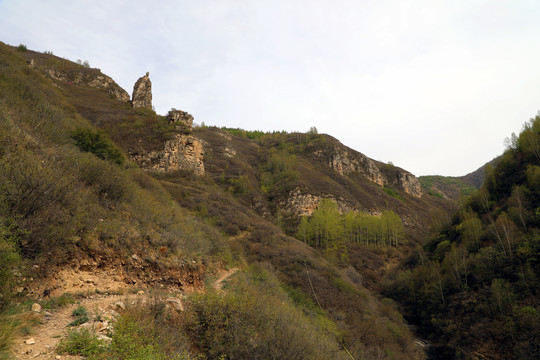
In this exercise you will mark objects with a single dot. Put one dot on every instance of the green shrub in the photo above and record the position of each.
(9, 259)
(392, 193)
(132, 341)
(8, 331)
(436, 194)
(80, 311)
(256, 320)
(79, 320)
(97, 143)
(109, 180)
(58, 302)
(81, 342)
(147, 331)
(22, 48)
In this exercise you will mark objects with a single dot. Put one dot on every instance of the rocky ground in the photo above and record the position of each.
(102, 309)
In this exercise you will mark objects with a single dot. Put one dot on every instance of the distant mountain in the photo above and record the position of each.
(477, 177)
(456, 187)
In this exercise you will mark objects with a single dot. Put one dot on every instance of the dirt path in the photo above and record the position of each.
(224, 275)
(43, 339)
(41, 343)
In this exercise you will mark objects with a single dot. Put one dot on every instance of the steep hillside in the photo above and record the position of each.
(446, 187)
(474, 287)
(459, 187)
(476, 178)
(97, 196)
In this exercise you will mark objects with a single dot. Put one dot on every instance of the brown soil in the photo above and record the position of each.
(113, 275)
(98, 301)
(54, 325)
(223, 276)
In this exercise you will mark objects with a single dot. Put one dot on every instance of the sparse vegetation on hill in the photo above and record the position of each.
(63, 203)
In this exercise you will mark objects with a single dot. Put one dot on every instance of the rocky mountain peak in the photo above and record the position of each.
(142, 93)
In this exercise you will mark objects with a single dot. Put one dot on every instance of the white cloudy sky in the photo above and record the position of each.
(433, 86)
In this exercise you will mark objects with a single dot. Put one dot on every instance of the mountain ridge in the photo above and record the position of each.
(73, 199)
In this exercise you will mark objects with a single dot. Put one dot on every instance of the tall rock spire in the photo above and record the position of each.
(142, 93)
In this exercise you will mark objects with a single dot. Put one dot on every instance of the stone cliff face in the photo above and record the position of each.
(184, 152)
(407, 182)
(346, 162)
(301, 203)
(142, 93)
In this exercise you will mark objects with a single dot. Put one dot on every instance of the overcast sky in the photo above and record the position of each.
(433, 86)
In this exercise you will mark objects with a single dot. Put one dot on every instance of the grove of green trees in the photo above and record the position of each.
(328, 229)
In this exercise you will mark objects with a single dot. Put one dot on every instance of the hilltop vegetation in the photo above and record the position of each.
(474, 285)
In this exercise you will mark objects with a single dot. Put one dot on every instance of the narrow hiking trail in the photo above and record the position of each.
(41, 343)
(102, 310)
(223, 276)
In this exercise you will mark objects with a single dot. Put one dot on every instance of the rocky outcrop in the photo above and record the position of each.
(301, 203)
(142, 93)
(345, 162)
(408, 183)
(106, 83)
(89, 77)
(184, 152)
(181, 119)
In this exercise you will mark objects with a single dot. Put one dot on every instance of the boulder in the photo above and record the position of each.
(36, 308)
(176, 304)
(120, 305)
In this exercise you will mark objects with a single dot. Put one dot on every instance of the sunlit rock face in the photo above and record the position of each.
(184, 152)
(347, 162)
(301, 203)
(142, 93)
(409, 183)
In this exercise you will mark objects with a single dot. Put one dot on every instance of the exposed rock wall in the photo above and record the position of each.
(408, 183)
(184, 152)
(300, 203)
(345, 162)
(181, 119)
(142, 93)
